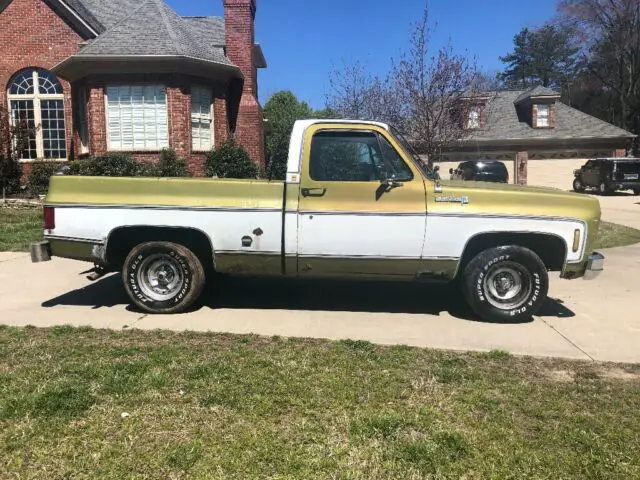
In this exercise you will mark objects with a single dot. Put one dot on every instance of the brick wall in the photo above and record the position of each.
(240, 38)
(34, 36)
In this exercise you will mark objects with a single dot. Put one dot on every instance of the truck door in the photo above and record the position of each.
(361, 207)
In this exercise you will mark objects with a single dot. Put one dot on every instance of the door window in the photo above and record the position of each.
(355, 157)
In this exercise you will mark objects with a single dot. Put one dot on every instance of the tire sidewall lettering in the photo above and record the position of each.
(136, 291)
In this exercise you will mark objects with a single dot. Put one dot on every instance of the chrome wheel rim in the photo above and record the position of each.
(508, 285)
(160, 277)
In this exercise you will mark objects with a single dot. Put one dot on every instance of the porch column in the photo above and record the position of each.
(522, 166)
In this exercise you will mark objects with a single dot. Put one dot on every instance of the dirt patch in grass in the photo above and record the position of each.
(105, 404)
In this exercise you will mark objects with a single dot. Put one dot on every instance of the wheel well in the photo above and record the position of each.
(551, 249)
(122, 240)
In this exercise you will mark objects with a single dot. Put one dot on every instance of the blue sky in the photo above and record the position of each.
(303, 40)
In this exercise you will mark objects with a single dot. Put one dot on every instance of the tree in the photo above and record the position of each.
(13, 140)
(423, 94)
(282, 110)
(358, 95)
(544, 56)
(432, 91)
(609, 32)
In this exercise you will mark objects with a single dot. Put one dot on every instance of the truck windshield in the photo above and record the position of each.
(411, 152)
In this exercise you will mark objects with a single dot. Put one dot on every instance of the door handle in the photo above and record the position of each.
(314, 192)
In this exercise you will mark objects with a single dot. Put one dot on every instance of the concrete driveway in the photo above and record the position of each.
(597, 320)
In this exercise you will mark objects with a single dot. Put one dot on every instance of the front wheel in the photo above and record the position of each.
(163, 277)
(636, 191)
(578, 186)
(506, 284)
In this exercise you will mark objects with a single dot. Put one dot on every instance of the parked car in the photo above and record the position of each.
(484, 171)
(608, 175)
(357, 203)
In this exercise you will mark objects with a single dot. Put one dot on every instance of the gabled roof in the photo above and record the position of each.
(537, 92)
(154, 29)
(506, 122)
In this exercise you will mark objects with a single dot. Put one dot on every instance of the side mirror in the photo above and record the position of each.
(436, 168)
(451, 171)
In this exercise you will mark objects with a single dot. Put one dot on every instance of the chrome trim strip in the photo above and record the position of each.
(76, 240)
(362, 214)
(165, 207)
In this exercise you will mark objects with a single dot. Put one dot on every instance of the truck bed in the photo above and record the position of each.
(166, 192)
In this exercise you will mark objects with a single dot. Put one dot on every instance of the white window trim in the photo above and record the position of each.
(545, 117)
(477, 121)
(106, 118)
(211, 117)
(37, 97)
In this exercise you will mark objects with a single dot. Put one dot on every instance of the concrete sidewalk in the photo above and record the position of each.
(596, 320)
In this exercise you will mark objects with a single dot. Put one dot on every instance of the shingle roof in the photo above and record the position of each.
(506, 122)
(154, 29)
(538, 91)
(106, 13)
(210, 29)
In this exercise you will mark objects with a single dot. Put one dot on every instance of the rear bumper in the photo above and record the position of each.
(622, 185)
(40, 252)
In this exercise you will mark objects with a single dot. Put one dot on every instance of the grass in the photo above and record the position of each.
(82, 403)
(19, 227)
(612, 235)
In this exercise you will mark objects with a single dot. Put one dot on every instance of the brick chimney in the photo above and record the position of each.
(239, 17)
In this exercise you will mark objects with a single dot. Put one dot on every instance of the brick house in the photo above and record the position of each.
(524, 125)
(96, 76)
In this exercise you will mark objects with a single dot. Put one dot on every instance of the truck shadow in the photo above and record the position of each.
(306, 295)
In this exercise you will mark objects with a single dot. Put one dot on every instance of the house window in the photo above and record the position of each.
(137, 117)
(36, 99)
(473, 121)
(201, 118)
(542, 119)
(83, 127)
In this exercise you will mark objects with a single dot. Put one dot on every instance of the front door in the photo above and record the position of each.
(362, 208)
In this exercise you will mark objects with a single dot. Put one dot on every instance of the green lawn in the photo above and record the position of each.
(205, 406)
(19, 227)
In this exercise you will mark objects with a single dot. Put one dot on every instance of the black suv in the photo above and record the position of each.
(482, 171)
(608, 175)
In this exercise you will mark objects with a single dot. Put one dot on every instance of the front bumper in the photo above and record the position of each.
(589, 270)
(595, 266)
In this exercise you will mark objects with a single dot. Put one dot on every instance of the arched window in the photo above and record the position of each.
(36, 98)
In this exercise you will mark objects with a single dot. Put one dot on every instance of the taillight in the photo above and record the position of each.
(49, 218)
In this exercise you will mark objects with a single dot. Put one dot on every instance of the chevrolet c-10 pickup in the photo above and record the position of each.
(357, 203)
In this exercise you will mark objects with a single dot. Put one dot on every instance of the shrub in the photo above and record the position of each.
(41, 173)
(123, 165)
(231, 161)
(172, 166)
(108, 165)
(12, 176)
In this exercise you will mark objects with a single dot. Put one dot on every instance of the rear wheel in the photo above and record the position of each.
(163, 277)
(578, 185)
(506, 284)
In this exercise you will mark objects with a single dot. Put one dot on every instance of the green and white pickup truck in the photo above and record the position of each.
(357, 203)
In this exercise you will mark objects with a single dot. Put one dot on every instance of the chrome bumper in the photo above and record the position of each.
(595, 266)
(40, 252)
